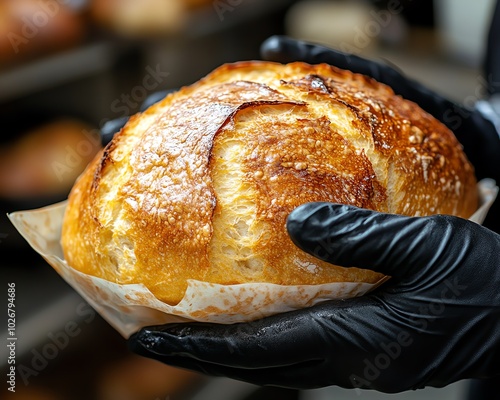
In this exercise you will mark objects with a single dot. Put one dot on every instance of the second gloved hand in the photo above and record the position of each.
(435, 322)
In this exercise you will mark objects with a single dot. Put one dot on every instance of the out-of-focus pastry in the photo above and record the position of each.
(47, 160)
(140, 18)
(30, 28)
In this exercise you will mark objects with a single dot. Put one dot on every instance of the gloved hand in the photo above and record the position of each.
(436, 321)
(473, 127)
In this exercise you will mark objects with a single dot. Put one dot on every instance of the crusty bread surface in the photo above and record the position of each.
(199, 185)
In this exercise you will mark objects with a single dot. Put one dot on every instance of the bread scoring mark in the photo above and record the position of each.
(317, 82)
(191, 127)
(170, 179)
(374, 110)
(285, 150)
(104, 160)
(396, 126)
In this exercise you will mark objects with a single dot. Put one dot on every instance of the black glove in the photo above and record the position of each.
(435, 322)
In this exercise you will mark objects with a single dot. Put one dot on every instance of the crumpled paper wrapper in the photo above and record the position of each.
(130, 307)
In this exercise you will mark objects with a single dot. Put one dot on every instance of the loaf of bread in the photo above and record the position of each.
(199, 186)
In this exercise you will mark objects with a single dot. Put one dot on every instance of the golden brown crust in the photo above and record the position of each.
(199, 185)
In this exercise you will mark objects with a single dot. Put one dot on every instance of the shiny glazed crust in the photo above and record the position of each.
(199, 185)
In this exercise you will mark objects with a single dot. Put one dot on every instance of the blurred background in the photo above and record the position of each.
(67, 67)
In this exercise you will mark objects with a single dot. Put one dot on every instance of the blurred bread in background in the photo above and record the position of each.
(140, 18)
(30, 28)
(356, 27)
(46, 160)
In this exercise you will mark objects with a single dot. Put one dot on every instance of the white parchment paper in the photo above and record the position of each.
(130, 307)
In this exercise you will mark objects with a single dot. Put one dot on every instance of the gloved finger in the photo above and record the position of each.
(480, 141)
(236, 351)
(323, 345)
(110, 128)
(155, 98)
(315, 373)
(267, 342)
(348, 236)
(285, 50)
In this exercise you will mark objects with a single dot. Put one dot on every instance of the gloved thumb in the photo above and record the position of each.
(348, 236)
